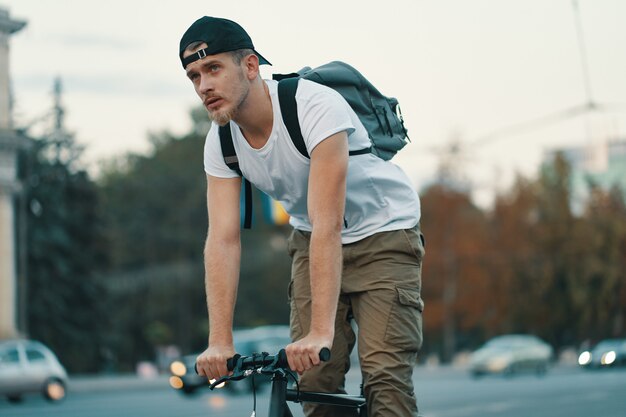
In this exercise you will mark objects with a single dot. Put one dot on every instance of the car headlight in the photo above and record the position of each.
(608, 358)
(584, 358)
(178, 368)
(176, 382)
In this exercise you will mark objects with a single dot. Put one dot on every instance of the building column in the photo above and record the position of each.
(8, 294)
(9, 145)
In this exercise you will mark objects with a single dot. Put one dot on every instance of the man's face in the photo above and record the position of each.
(220, 83)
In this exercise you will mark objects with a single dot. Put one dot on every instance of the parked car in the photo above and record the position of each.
(28, 366)
(511, 354)
(247, 341)
(607, 353)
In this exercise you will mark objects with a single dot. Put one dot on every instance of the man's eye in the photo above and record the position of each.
(214, 68)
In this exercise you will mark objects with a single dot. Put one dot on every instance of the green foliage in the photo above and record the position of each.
(154, 205)
(155, 215)
(65, 299)
(601, 294)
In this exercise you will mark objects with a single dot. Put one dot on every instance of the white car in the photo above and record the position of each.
(30, 367)
(511, 354)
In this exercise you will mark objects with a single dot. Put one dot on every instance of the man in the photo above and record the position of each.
(356, 246)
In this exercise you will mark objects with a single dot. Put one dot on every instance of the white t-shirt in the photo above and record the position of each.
(379, 195)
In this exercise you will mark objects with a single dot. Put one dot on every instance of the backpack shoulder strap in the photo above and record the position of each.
(231, 160)
(289, 110)
(228, 149)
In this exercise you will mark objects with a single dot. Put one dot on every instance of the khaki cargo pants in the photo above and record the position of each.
(380, 290)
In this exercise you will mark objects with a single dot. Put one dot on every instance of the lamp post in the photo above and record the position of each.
(10, 143)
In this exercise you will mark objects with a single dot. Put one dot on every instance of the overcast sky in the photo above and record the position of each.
(460, 69)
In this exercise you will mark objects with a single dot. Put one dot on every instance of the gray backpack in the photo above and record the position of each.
(381, 116)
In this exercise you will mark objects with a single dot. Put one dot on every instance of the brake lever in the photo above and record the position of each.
(236, 376)
(219, 381)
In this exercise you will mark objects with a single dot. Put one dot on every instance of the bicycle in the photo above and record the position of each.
(277, 366)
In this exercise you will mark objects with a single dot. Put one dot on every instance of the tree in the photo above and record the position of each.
(64, 246)
(512, 260)
(454, 282)
(557, 274)
(155, 215)
(602, 296)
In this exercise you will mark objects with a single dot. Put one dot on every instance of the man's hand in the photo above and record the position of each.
(212, 362)
(305, 353)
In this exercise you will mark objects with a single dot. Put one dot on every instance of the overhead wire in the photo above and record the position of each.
(588, 106)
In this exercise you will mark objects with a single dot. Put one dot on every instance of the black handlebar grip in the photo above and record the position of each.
(324, 356)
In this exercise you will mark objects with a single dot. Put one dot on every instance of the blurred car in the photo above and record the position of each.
(30, 367)
(184, 377)
(247, 341)
(607, 353)
(511, 354)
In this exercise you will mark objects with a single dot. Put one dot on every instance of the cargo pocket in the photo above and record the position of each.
(404, 325)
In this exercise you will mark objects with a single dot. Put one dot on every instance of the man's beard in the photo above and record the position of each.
(222, 117)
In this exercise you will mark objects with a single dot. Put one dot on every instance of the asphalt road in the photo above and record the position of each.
(442, 392)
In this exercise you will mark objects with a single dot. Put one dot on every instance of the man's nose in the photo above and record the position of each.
(206, 85)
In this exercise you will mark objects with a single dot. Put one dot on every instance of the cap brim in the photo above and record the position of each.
(262, 61)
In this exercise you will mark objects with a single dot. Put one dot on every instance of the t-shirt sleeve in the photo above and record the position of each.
(213, 159)
(322, 113)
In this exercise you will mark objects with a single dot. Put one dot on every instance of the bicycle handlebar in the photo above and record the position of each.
(279, 360)
(258, 361)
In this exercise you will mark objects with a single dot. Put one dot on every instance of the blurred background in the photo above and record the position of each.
(517, 115)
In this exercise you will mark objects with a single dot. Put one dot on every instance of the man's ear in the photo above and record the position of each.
(251, 63)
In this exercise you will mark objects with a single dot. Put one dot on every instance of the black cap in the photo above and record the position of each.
(221, 35)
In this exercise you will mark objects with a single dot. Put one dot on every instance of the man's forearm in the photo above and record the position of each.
(325, 265)
(221, 282)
